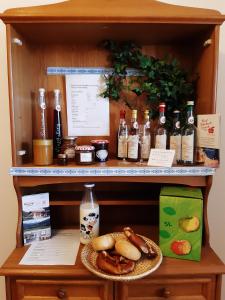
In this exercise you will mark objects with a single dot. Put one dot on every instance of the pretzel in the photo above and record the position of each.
(140, 243)
(114, 264)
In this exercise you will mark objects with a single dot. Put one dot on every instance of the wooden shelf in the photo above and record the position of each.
(111, 168)
(111, 171)
(209, 264)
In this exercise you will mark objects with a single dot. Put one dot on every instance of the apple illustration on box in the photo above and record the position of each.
(181, 247)
(189, 224)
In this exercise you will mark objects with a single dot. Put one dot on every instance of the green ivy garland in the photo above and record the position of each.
(161, 80)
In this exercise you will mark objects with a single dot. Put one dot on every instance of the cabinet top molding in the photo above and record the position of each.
(110, 11)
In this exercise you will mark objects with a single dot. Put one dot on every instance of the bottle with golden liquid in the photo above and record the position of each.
(42, 145)
(133, 138)
(145, 137)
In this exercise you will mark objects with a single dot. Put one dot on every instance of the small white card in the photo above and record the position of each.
(161, 158)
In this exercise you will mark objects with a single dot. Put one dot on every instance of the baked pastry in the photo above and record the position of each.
(103, 242)
(114, 264)
(140, 243)
(128, 250)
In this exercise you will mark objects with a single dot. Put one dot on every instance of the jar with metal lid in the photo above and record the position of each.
(68, 147)
(62, 159)
(84, 155)
(101, 150)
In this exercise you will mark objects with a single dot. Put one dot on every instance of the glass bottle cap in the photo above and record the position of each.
(41, 90)
(190, 103)
(89, 185)
(56, 91)
(176, 111)
(162, 104)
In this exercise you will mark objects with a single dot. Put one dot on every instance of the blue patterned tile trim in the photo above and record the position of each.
(111, 171)
(71, 70)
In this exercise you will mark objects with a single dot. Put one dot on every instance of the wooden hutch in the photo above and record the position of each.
(67, 34)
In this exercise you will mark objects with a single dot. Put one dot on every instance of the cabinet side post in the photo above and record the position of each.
(207, 189)
(10, 89)
(19, 240)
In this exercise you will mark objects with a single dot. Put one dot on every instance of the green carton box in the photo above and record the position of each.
(180, 230)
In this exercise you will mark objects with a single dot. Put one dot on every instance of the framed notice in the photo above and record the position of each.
(87, 111)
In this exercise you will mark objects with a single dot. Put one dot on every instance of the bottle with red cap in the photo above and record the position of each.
(161, 131)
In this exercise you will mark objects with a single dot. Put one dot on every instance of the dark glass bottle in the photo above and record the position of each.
(175, 137)
(57, 128)
(161, 131)
(133, 139)
(189, 137)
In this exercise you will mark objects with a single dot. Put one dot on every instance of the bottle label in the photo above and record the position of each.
(188, 148)
(86, 157)
(133, 147)
(162, 120)
(191, 120)
(177, 124)
(58, 107)
(122, 147)
(70, 152)
(160, 141)
(145, 147)
(175, 144)
(102, 154)
(89, 222)
(43, 105)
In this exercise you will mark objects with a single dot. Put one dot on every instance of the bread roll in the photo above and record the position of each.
(126, 249)
(103, 242)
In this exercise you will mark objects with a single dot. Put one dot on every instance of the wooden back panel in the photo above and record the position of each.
(31, 60)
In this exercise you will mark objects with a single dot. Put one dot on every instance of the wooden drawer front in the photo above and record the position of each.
(173, 289)
(64, 290)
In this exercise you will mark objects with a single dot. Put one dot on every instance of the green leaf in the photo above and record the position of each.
(164, 234)
(169, 210)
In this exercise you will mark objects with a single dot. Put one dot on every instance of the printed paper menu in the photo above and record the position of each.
(87, 111)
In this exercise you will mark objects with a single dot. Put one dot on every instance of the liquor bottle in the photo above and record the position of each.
(41, 125)
(161, 131)
(188, 138)
(57, 125)
(122, 137)
(89, 215)
(146, 137)
(175, 137)
(42, 145)
(133, 138)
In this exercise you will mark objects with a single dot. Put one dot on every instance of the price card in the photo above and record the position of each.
(161, 158)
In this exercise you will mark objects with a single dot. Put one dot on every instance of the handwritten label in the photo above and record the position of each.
(161, 158)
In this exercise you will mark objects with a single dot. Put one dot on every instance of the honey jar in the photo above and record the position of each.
(68, 147)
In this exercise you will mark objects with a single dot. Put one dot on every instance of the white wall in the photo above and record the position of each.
(8, 202)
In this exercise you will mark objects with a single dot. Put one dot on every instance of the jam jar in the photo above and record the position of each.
(85, 154)
(101, 150)
(68, 147)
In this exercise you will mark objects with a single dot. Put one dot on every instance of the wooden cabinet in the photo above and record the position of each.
(61, 289)
(201, 288)
(68, 34)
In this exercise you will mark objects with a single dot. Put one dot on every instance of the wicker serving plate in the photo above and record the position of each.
(143, 266)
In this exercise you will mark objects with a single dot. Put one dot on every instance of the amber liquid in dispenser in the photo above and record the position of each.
(42, 145)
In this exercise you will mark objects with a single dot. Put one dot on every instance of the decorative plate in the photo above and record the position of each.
(143, 266)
